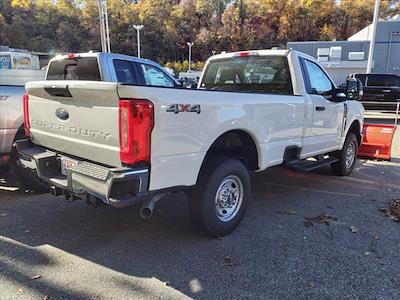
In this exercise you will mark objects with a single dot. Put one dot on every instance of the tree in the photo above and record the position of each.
(213, 25)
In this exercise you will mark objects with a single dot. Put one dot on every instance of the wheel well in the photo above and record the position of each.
(20, 133)
(355, 128)
(236, 144)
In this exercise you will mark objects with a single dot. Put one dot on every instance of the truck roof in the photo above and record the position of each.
(264, 52)
(104, 55)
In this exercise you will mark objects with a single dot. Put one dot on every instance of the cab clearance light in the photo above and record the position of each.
(246, 54)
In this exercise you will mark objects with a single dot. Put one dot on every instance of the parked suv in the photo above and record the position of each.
(379, 89)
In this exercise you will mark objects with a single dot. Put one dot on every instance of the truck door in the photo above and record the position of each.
(327, 118)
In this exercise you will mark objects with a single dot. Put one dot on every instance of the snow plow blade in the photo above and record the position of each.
(377, 141)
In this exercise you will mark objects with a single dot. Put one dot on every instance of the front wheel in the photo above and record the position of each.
(347, 157)
(219, 202)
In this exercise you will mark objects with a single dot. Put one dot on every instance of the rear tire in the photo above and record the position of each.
(220, 200)
(26, 177)
(347, 157)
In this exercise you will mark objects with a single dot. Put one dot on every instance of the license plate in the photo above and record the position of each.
(67, 163)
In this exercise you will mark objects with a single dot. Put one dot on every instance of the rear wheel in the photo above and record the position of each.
(220, 200)
(347, 157)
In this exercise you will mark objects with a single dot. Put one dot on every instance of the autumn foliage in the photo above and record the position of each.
(213, 25)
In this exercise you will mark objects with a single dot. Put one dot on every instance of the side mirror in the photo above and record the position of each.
(354, 89)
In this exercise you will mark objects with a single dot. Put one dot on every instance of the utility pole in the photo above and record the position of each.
(104, 30)
(107, 29)
(190, 54)
(138, 28)
(373, 36)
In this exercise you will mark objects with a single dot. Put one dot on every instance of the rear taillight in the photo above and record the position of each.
(136, 122)
(27, 125)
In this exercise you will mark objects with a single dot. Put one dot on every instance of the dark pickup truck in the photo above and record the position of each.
(381, 91)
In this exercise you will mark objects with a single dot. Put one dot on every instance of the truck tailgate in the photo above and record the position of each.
(78, 118)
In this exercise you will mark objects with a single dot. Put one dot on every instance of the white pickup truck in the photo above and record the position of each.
(12, 89)
(117, 129)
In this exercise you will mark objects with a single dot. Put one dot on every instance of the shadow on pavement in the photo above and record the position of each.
(270, 249)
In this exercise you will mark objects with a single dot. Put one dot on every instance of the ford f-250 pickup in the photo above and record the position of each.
(115, 129)
(12, 89)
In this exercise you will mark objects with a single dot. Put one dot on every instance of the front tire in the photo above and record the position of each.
(347, 157)
(220, 200)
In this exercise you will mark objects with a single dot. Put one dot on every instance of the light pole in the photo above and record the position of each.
(104, 30)
(190, 54)
(373, 36)
(107, 28)
(138, 28)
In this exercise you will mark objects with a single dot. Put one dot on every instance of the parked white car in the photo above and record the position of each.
(124, 141)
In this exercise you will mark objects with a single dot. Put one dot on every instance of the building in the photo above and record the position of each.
(341, 58)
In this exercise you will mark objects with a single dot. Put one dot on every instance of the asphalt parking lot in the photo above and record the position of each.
(54, 249)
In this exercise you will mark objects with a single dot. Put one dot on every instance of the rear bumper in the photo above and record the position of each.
(118, 187)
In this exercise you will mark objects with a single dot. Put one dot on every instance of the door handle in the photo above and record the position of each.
(320, 108)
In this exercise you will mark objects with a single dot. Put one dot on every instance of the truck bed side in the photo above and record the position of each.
(181, 140)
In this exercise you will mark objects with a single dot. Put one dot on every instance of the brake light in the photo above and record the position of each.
(71, 55)
(27, 124)
(246, 54)
(136, 122)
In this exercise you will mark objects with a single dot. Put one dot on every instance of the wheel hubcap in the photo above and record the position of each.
(228, 198)
(350, 155)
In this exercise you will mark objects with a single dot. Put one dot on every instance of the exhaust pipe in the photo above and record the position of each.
(148, 205)
(147, 208)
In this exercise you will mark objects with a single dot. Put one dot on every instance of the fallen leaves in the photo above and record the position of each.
(291, 212)
(229, 261)
(320, 219)
(354, 229)
(308, 223)
(395, 209)
(392, 212)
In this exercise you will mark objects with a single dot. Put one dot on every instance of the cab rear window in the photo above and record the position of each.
(79, 68)
(262, 74)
